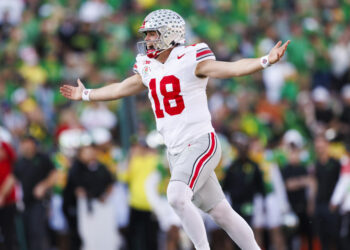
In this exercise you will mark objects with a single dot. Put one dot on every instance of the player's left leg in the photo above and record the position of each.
(211, 199)
(234, 225)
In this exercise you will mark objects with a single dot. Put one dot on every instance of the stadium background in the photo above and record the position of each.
(47, 43)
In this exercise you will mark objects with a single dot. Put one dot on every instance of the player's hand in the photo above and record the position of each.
(277, 52)
(73, 92)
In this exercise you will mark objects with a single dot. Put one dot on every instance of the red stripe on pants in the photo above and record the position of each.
(203, 159)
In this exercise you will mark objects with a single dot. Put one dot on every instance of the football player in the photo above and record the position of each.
(176, 77)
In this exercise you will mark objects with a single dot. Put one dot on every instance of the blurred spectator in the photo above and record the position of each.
(270, 113)
(11, 11)
(327, 170)
(243, 179)
(88, 188)
(299, 51)
(45, 99)
(36, 174)
(340, 200)
(321, 74)
(344, 119)
(7, 196)
(340, 60)
(169, 222)
(143, 227)
(97, 115)
(68, 142)
(67, 120)
(108, 153)
(5, 27)
(268, 211)
(92, 11)
(155, 187)
(112, 156)
(323, 110)
(31, 71)
(275, 79)
(84, 39)
(298, 184)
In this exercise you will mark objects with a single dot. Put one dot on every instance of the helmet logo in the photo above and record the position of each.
(143, 25)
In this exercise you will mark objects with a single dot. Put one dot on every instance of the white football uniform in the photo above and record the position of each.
(178, 96)
(179, 102)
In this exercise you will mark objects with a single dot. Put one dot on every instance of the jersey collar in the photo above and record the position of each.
(171, 56)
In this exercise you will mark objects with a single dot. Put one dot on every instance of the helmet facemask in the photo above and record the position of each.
(158, 46)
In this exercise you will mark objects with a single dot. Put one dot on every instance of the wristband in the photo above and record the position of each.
(264, 61)
(85, 96)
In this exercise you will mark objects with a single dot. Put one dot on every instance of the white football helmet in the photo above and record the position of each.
(170, 27)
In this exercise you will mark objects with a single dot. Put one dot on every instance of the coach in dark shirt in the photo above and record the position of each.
(327, 173)
(36, 174)
(243, 179)
(298, 182)
(87, 177)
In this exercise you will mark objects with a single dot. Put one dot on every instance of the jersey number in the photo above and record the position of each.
(170, 96)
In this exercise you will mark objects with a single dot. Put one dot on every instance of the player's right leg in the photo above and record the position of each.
(180, 198)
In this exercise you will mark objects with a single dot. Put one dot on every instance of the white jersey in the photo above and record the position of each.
(178, 96)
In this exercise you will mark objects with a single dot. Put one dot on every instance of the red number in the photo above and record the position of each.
(152, 86)
(169, 95)
(172, 95)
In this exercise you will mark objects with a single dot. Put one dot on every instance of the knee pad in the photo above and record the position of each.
(178, 193)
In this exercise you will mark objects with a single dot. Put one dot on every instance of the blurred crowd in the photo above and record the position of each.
(68, 182)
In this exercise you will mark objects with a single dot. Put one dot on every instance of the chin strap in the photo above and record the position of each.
(153, 53)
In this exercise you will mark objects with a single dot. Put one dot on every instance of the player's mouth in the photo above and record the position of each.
(150, 49)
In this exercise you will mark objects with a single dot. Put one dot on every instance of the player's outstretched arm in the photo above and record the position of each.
(130, 86)
(219, 69)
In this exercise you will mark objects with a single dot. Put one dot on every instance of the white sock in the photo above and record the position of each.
(234, 225)
(179, 197)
